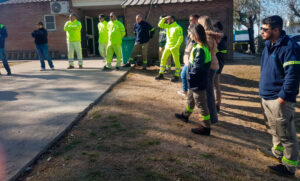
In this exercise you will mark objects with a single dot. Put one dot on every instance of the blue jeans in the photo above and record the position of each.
(4, 60)
(183, 78)
(42, 50)
(211, 97)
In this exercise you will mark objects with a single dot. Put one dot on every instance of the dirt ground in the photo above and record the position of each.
(132, 135)
(11, 63)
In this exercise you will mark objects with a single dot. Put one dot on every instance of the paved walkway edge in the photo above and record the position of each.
(63, 133)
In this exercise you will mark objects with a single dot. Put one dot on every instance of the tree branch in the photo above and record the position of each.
(293, 8)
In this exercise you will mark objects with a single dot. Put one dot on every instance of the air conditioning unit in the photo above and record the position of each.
(60, 7)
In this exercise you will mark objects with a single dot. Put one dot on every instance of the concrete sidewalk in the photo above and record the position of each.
(37, 107)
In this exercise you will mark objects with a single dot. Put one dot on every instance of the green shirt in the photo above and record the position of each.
(116, 31)
(103, 32)
(73, 30)
(174, 34)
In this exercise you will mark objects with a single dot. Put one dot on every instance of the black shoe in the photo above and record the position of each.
(182, 117)
(117, 68)
(201, 130)
(218, 108)
(106, 68)
(80, 67)
(144, 68)
(159, 77)
(281, 170)
(8, 73)
(175, 79)
(70, 67)
(127, 65)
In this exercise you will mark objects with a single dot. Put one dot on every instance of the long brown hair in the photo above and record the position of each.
(205, 21)
(199, 33)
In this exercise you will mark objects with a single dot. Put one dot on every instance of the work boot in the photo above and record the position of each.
(118, 68)
(144, 68)
(70, 67)
(128, 64)
(175, 79)
(159, 77)
(281, 170)
(80, 67)
(182, 117)
(201, 130)
(105, 68)
(8, 73)
(218, 108)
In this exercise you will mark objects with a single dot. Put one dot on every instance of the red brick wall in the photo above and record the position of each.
(216, 9)
(20, 20)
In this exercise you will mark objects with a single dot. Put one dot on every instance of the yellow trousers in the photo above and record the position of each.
(110, 51)
(166, 54)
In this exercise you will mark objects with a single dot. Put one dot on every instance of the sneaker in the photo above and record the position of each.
(128, 64)
(159, 77)
(80, 67)
(105, 68)
(70, 67)
(281, 170)
(8, 73)
(184, 94)
(201, 130)
(43, 69)
(52, 68)
(182, 117)
(175, 79)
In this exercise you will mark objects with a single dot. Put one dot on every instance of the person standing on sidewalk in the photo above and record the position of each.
(116, 31)
(278, 88)
(73, 30)
(41, 44)
(174, 40)
(3, 36)
(144, 32)
(197, 76)
(221, 54)
(103, 35)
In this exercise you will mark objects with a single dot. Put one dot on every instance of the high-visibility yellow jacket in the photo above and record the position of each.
(73, 30)
(103, 32)
(116, 31)
(174, 34)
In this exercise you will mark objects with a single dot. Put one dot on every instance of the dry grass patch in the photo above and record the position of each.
(133, 135)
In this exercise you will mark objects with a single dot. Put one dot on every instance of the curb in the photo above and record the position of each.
(71, 125)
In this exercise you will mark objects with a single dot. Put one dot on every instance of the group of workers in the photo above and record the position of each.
(205, 48)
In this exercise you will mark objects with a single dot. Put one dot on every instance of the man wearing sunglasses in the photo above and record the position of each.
(279, 87)
(116, 31)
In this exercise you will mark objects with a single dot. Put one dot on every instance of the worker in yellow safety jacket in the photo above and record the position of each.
(73, 30)
(103, 35)
(174, 40)
(116, 31)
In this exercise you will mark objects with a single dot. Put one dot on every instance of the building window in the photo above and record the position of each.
(50, 22)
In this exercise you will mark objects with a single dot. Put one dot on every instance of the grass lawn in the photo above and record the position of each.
(132, 135)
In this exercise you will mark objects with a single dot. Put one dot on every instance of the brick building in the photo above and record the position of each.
(20, 16)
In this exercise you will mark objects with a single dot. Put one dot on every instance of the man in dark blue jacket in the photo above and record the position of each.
(3, 36)
(279, 87)
(144, 32)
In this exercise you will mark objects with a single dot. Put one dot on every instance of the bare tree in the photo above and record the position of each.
(247, 13)
(292, 5)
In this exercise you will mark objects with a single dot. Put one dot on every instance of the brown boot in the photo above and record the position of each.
(201, 130)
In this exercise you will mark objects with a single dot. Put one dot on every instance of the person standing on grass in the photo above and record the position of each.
(197, 78)
(174, 40)
(212, 39)
(103, 35)
(116, 31)
(3, 36)
(144, 32)
(278, 88)
(41, 44)
(193, 19)
(73, 30)
(221, 53)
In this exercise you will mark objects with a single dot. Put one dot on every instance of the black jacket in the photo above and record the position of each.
(3, 35)
(40, 36)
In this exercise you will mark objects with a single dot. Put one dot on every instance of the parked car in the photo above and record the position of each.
(296, 37)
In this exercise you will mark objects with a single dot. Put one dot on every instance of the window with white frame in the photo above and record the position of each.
(50, 22)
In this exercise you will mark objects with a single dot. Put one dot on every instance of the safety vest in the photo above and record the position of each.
(116, 31)
(221, 51)
(73, 30)
(103, 32)
(206, 51)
